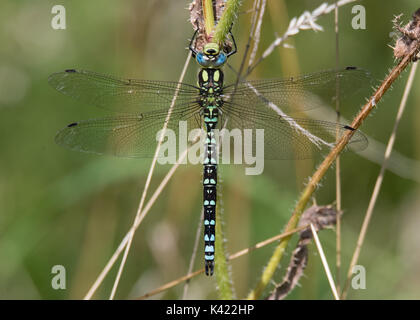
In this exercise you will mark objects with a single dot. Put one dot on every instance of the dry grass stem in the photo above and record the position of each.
(306, 21)
(231, 257)
(149, 178)
(255, 10)
(325, 165)
(325, 263)
(337, 161)
(140, 213)
(146, 209)
(257, 33)
(194, 252)
(379, 181)
(321, 217)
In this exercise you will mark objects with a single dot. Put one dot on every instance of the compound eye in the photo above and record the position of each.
(221, 59)
(202, 59)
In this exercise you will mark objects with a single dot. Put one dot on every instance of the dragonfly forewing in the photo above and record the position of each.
(121, 95)
(132, 136)
(287, 137)
(297, 94)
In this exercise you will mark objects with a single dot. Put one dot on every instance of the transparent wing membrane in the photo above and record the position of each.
(121, 95)
(133, 136)
(256, 105)
(286, 137)
(301, 93)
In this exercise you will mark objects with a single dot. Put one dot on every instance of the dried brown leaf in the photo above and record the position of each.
(321, 217)
(409, 35)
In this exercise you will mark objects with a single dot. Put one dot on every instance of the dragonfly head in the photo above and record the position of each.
(211, 56)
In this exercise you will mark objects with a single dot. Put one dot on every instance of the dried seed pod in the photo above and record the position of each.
(410, 35)
(197, 20)
(321, 217)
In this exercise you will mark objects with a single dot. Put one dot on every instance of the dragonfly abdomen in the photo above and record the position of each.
(210, 82)
(210, 198)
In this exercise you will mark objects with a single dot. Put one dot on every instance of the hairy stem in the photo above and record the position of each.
(226, 20)
(378, 183)
(224, 283)
(320, 172)
(231, 257)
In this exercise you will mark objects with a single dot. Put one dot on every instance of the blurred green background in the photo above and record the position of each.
(59, 207)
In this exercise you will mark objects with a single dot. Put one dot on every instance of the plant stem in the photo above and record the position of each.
(325, 263)
(224, 283)
(139, 215)
(378, 183)
(231, 257)
(337, 161)
(226, 20)
(208, 16)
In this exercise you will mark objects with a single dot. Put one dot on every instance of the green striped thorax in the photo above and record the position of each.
(210, 82)
(210, 78)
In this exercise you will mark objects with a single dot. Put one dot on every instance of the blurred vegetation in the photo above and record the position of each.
(59, 207)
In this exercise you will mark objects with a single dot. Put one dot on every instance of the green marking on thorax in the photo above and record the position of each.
(216, 76)
(205, 75)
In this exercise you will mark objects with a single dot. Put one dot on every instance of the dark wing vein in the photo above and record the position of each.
(286, 137)
(121, 95)
(300, 93)
(133, 136)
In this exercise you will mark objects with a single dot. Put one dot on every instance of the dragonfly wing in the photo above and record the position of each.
(133, 136)
(286, 137)
(300, 93)
(121, 95)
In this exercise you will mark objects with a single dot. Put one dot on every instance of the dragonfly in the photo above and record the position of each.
(142, 109)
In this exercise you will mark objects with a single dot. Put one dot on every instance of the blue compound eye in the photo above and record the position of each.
(221, 59)
(202, 59)
(207, 61)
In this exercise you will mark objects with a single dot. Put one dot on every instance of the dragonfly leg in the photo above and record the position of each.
(234, 43)
(193, 50)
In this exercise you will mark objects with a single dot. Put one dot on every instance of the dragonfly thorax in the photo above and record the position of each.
(210, 82)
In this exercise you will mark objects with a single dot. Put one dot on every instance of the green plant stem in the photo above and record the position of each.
(231, 257)
(208, 15)
(322, 169)
(226, 20)
(224, 283)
